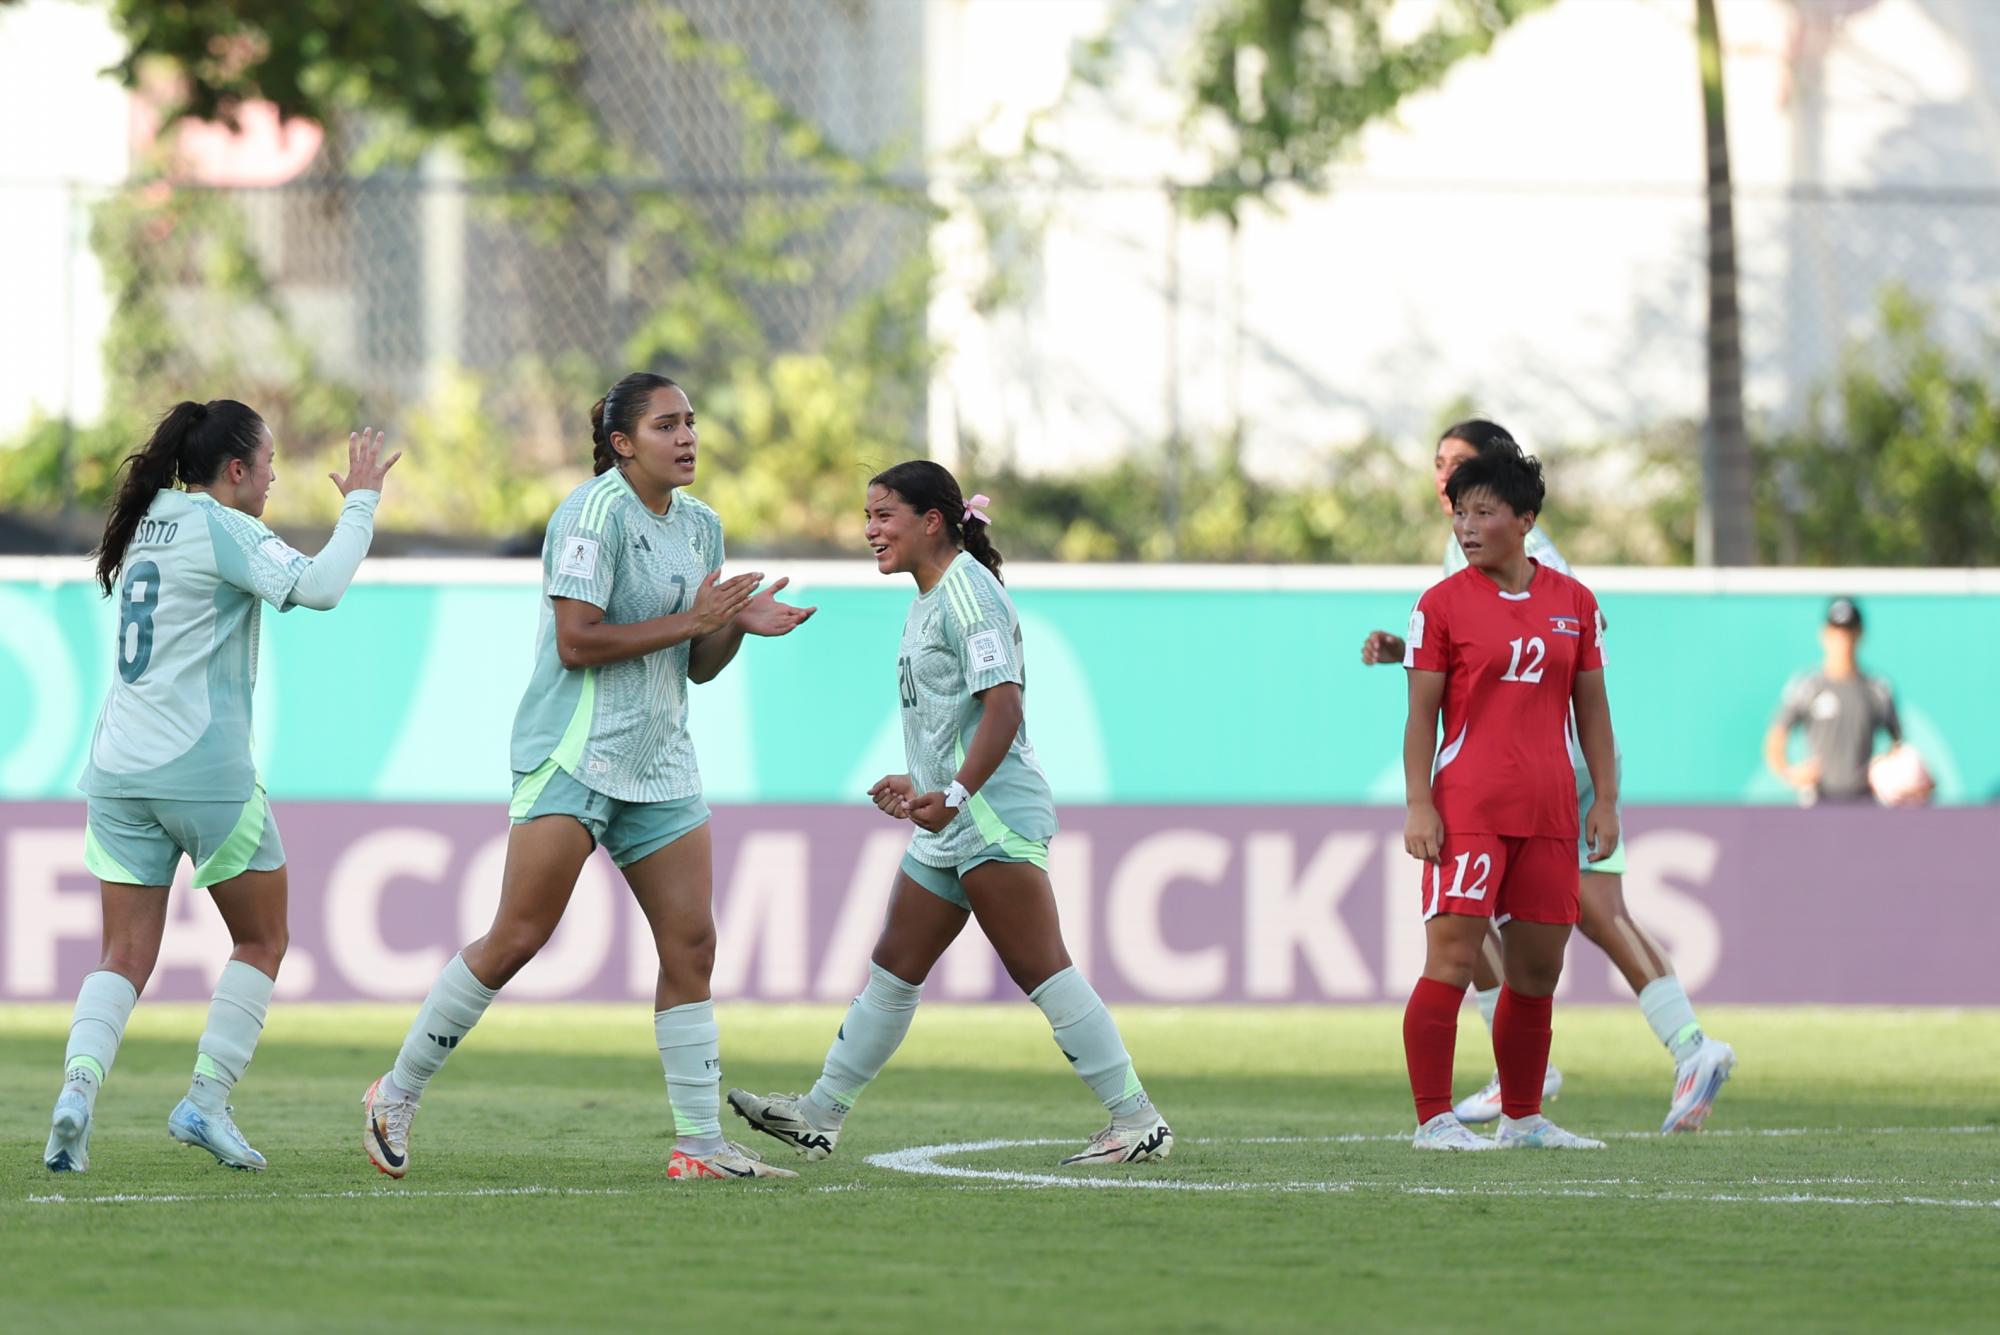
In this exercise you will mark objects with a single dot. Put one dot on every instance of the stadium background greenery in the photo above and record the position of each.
(1902, 466)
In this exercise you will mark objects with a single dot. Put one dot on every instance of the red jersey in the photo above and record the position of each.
(1509, 662)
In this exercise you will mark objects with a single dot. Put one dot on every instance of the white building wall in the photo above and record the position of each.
(1530, 235)
(63, 133)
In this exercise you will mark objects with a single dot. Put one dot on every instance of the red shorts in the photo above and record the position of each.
(1502, 876)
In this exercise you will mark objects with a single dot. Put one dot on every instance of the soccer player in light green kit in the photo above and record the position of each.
(1701, 1063)
(634, 610)
(984, 816)
(170, 770)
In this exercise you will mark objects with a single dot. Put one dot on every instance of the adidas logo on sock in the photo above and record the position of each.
(445, 1041)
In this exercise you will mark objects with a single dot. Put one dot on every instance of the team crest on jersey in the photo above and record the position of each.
(1565, 626)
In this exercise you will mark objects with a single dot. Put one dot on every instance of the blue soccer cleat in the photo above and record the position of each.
(218, 1135)
(69, 1134)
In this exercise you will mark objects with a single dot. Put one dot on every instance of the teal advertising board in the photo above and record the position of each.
(1161, 685)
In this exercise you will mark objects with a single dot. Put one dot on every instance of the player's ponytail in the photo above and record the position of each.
(191, 444)
(927, 486)
(618, 413)
(981, 546)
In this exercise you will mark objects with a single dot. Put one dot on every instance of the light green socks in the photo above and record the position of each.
(1667, 1009)
(1488, 1002)
(691, 1051)
(235, 1019)
(96, 1028)
(456, 1001)
(869, 1035)
(1087, 1036)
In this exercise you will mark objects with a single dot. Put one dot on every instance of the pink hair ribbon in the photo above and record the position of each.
(972, 510)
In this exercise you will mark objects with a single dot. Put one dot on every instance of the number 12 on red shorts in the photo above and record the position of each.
(1502, 877)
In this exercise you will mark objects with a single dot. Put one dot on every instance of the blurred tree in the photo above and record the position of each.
(1726, 535)
(1913, 475)
(488, 78)
(1280, 88)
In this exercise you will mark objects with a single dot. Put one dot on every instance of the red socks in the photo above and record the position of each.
(1521, 1030)
(1430, 1033)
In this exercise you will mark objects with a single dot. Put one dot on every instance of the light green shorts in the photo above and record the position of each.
(627, 830)
(140, 840)
(1586, 793)
(944, 881)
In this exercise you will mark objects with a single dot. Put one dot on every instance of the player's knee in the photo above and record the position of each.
(266, 951)
(133, 963)
(508, 949)
(1535, 978)
(689, 955)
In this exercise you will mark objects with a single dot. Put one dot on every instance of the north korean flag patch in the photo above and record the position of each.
(1565, 626)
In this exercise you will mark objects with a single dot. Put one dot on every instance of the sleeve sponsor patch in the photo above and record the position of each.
(279, 552)
(986, 650)
(579, 558)
(1415, 639)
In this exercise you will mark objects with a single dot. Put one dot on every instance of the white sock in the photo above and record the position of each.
(1667, 1009)
(691, 1053)
(1487, 1001)
(869, 1035)
(103, 1004)
(1088, 1037)
(235, 1019)
(456, 1001)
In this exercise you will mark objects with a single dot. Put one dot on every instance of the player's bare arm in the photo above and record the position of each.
(1593, 730)
(998, 725)
(585, 639)
(1423, 828)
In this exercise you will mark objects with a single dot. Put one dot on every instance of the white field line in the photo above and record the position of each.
(921, 1161)
(380, 1194)
(924, 1161)
(1361, 1138)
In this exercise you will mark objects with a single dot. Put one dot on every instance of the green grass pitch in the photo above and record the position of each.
(1850, 1179)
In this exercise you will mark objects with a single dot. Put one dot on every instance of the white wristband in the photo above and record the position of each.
(956, 796)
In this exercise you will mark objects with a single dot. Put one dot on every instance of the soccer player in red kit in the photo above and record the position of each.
(1504, 648)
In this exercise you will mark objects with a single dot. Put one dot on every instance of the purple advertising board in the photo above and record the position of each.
(1172, 904)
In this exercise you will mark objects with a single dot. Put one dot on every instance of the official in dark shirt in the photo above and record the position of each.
(1841, 709)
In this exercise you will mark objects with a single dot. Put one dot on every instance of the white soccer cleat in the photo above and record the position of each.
(1138, 1142)
(1696, 1083)
(783, 1117)
(218, 1135)
(386, 1136)
(1539, 1133)
(1446, 1132)
(730, 1162)
(69, 1134)
(1475, 1109)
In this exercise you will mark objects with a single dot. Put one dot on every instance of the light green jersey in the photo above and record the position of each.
(176, 722)
(620, 729)
(961, 638)
(1538, 545)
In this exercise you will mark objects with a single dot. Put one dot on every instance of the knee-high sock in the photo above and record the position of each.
(691, 1052)
(1487, 1001)
(1521, 1032)
(1088, 1037)
(456, 1001)
(1668, 1010)
(1430, 1039)
(96, 1028)
(235, 1019)
(868, 1036)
